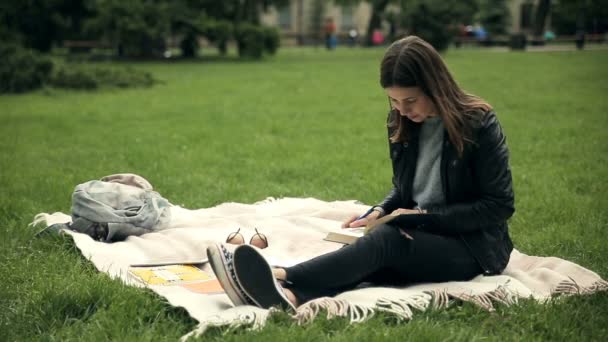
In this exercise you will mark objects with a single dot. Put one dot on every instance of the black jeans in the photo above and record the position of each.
(384, 257)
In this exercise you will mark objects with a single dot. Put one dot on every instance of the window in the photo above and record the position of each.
(346, 18)
(285, 17)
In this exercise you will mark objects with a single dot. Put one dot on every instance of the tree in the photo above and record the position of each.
(494, 16)
(219, 21)
(540, 18)
(188, 20)
(38, 24)
(238, 11)
(436, 21)
(589, 15)
(135, 28)
(375, 20)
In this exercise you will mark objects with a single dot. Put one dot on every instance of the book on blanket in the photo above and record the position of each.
(166, 262)
(186, 276)
(349, 235)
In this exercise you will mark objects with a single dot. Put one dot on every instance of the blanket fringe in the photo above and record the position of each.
(571, 287)
(49, 219)
(442, 298)
(266, 200)
(253, 320)
(38, 219)
(307, 312)
(402, 308)
(503, 295)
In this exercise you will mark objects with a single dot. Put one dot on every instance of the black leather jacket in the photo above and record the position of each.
(477, 187)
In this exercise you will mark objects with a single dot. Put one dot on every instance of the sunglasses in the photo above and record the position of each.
(258, 239)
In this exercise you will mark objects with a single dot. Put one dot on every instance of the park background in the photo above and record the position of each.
(224, 101)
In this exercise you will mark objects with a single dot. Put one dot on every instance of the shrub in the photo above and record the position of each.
(250, 40)
(219, 32)
(124, 77)
(81, 76)
(22, 70)
(272, 39)
(189, 45)
(73, 79)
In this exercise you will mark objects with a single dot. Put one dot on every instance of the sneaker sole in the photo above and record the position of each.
(225, 276)
(256, 279)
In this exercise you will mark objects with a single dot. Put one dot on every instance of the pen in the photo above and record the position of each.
(366, 213)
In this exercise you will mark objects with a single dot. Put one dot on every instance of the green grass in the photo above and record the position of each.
(304, 123)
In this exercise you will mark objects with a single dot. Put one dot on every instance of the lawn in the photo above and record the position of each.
(305, 123)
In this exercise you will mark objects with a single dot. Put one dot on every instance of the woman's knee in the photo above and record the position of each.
(386, 241)
(384, 232)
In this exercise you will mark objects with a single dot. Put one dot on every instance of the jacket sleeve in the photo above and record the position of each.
(495, 203)
(392, 200)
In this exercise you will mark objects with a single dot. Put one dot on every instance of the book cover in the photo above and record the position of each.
(168, 262)
(187, 276)
(404, 220)
(349, 235)
(345, 235)
(169, 274)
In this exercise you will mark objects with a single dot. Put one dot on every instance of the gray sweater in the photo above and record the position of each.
(427, 189)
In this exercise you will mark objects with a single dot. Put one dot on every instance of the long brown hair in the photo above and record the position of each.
(412, 62)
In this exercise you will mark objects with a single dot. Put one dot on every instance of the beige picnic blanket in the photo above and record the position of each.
(295, 228)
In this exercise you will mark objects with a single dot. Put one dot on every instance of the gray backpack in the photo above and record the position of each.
(115, 207)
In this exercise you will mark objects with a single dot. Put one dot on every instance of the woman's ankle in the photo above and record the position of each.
(279, 273)
(291, 297)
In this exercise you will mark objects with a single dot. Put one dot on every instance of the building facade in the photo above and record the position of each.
(301, 22)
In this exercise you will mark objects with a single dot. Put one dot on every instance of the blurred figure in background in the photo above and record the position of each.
(480, 33)
(580, 39)
(461, 35)
(353, 35)
(330, 34)
(377, 37)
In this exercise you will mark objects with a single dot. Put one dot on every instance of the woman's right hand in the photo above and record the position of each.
(354, 223)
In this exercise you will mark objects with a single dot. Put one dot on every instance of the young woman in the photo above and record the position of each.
(451, 179)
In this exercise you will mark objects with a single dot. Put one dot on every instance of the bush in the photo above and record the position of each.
(22, 70)
(250, 40)
(219, 32)
(79, 76)
(73, 79)
(272, 39)
(253, 41)
(189, 45)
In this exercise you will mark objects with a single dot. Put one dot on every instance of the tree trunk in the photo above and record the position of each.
(542, 11)
(375, 21)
